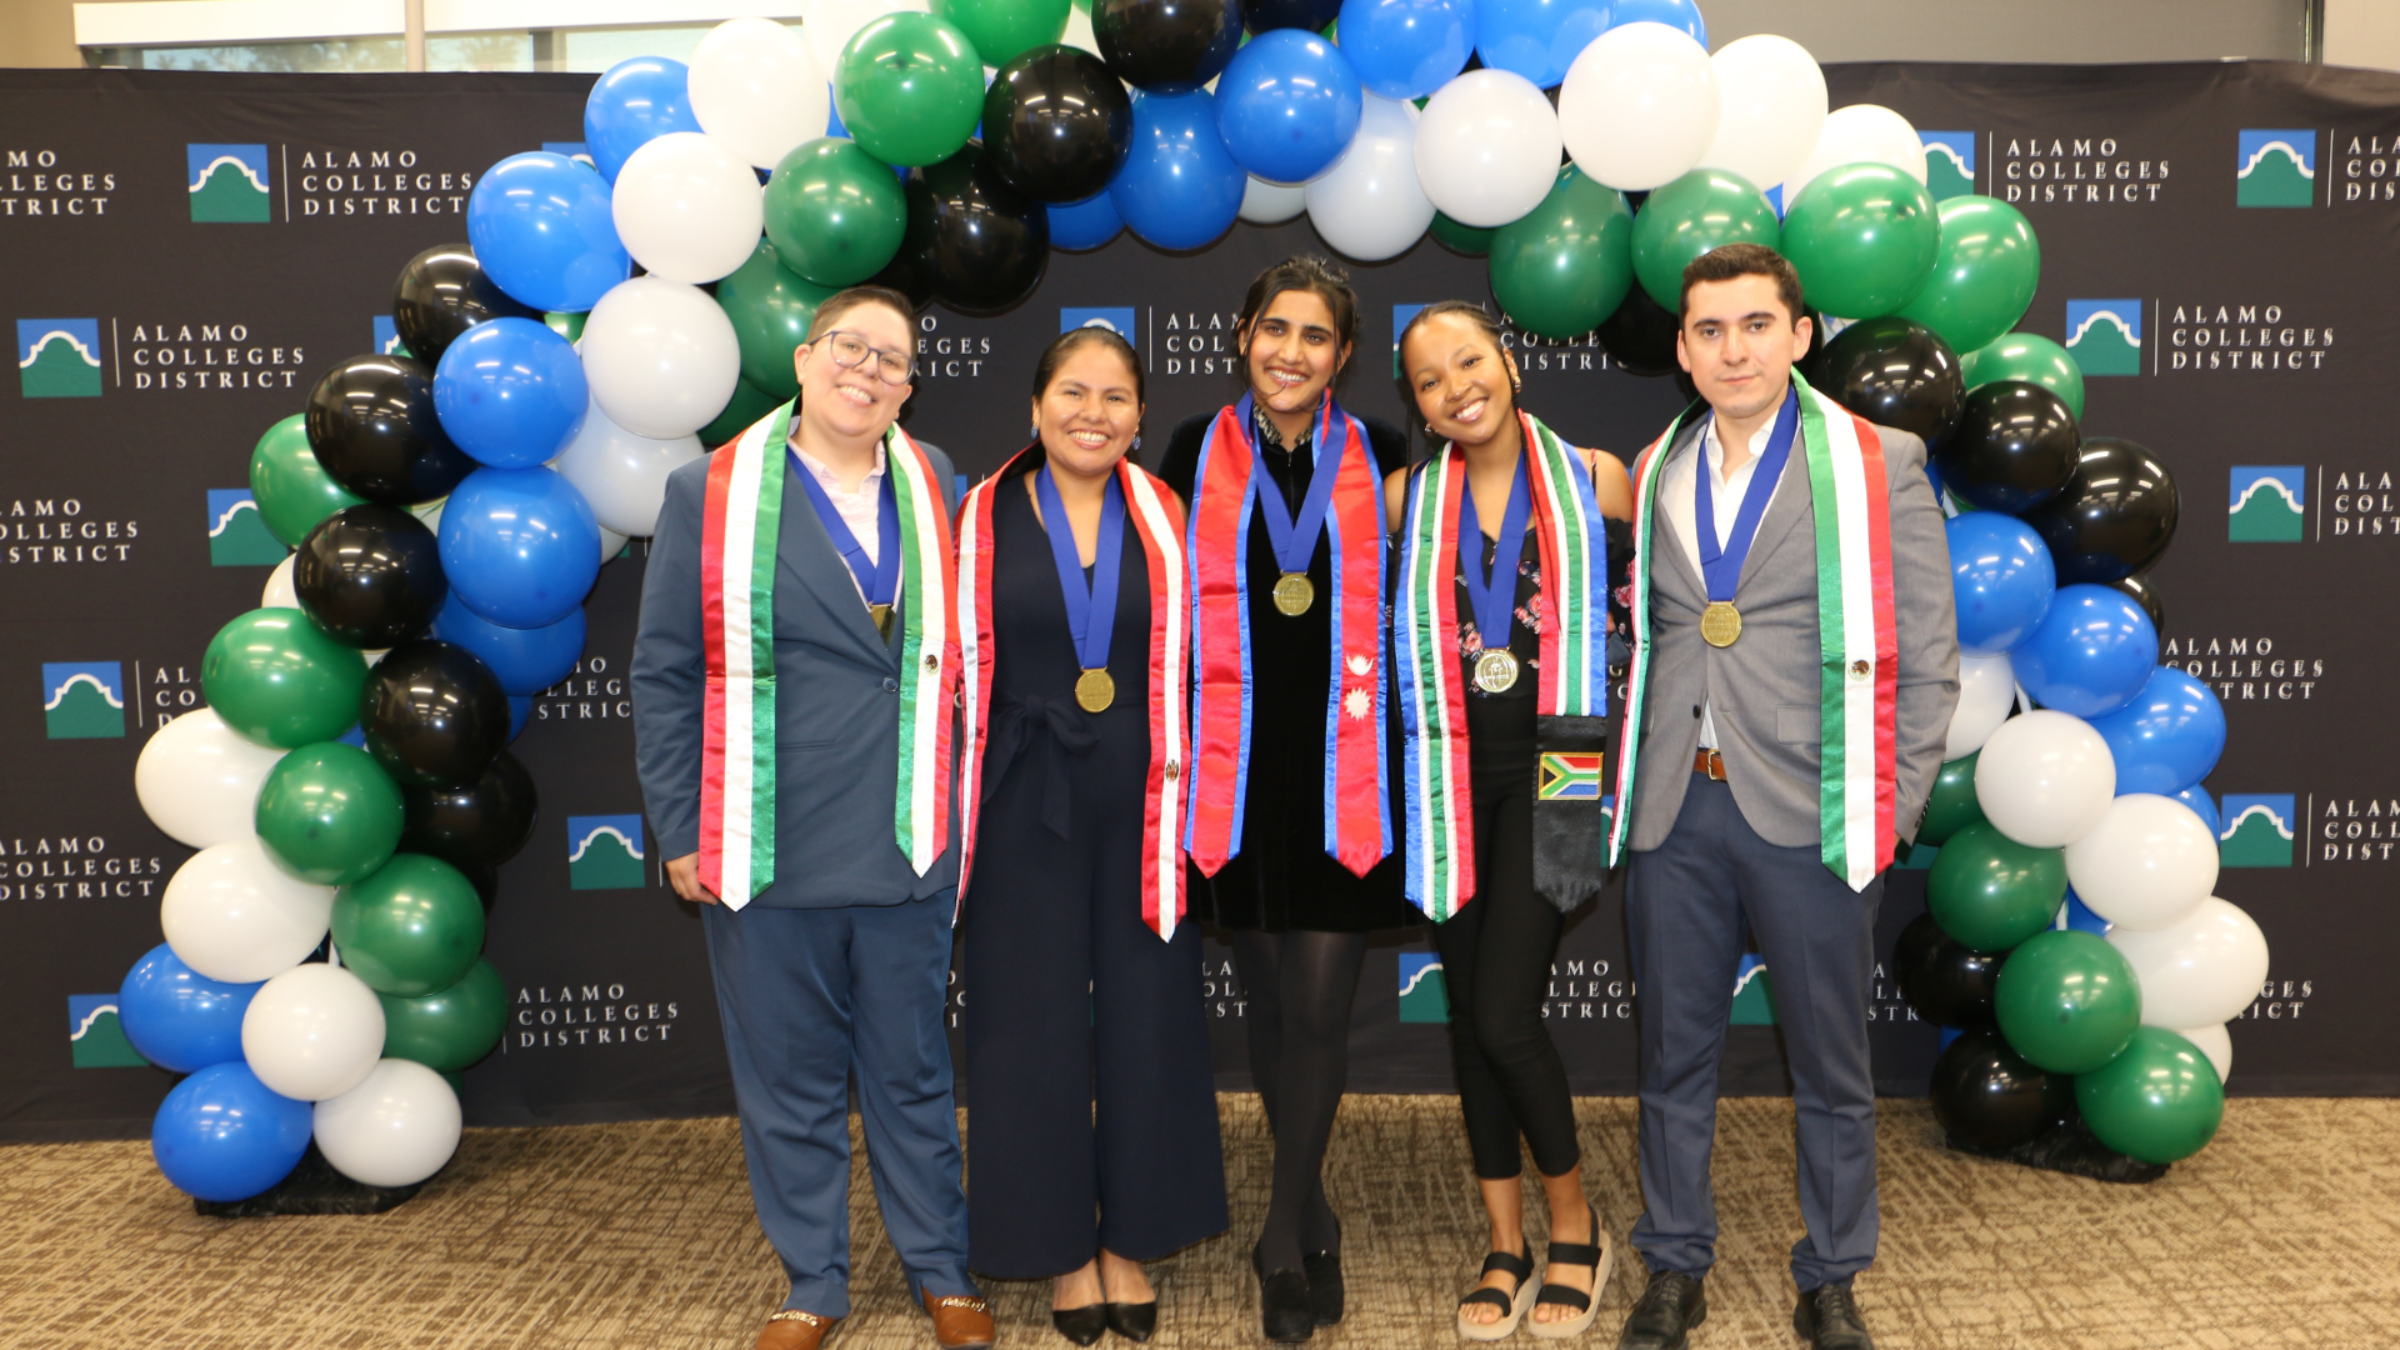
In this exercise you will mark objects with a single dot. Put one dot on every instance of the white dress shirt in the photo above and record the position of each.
(1726, 492)
(859, 509)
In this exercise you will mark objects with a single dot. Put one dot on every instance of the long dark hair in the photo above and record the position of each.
(1302, 272)
(1473, 313)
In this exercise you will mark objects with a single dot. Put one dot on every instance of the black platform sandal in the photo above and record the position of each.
(1512, 1306)
(1600, 1255)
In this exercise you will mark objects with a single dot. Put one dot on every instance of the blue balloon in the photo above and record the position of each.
(2203, 806)
(1076, 226)
(542, 227)
(1406, 49)
(520, 546)
(2168, 737)
(1537, 39)
(2080, 917)
(2003, 577)
(2091, 654)
(527, 660)
(1288, 105)
(520, 711)
(178, 1018)
(637, 101)
(1681, 15)
(1180, 188)
(510, 392)
(223, 1135)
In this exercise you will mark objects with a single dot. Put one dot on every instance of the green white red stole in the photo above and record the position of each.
(1573, 547)
(1860, 666)
(740, 519)
(1158, 520)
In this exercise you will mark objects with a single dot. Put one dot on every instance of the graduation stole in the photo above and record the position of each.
(1573, 548)
(1158, 520)
(740, 519)
(1858, 686)
(1358, 823)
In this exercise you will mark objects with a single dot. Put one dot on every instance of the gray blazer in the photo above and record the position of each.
(1764, 688)
(837, 711)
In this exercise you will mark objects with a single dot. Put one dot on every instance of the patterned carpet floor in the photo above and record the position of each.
(2285, 1232)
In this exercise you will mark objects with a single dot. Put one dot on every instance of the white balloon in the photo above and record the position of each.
(660, 356)
(2045, 778)
(233, 915)
(1774, 108)
(313, 1032)
(1987, 687)
(756, 87)
(395, 1129)
(1863, 133)
(1639, 106)
(1487, 148)
(1369, 204)
(687, 208)
(830, 24)
(1265, 203)
(2205, 969)
(280, 592)
(2148, 864)
(198, 779)
(622, 475)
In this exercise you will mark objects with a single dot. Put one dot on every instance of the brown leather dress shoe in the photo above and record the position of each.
(793, 1329)
(960, 1321)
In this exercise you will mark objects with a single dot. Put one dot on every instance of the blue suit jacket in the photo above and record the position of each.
(837, 711)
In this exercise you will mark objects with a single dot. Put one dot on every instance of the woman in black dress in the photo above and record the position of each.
(1287, 553)
(1084, 969)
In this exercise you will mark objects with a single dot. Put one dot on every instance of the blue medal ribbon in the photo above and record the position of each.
(879, 580)
(1293, 540)
(1721, 565)
(1091, 606)
(1493, 594)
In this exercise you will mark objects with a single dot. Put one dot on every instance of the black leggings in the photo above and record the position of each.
(1300, 984)
(1496, 956)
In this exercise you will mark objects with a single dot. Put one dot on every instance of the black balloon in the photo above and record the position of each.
(2015, 446)
(1948, 984)
(1640, 337)
(434, 714)
(1266, 15)
(1986, 1095)
(1894, 373)
(442, 293)
(1167, 46)
(2113, 518)
(481, 824)
(370, 576)
(371, 422)
(978, 243)
(1057, 124)
(2145, 590)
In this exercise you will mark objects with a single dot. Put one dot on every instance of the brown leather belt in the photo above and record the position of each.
(1711, 763)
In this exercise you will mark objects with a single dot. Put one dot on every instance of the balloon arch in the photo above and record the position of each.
(451, 503)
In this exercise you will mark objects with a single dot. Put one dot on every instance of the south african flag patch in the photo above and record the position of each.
(1569, 776)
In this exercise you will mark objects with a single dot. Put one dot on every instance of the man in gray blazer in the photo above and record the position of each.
(1733, 823)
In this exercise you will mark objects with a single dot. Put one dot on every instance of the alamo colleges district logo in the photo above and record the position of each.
(604, 853)
(2105, 336)
(2258, 830)
(237, 534)
(228, 184)
(2269, 504)
(2276, 168)
(1424, 996)
(1753, 997)
(96, 1039)
(58, 358)
(83, 700)
(1949, 163)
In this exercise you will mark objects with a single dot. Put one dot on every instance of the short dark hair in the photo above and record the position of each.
(1064, 345)
(843, 301)
(1305, 272)
(1468, 310)
(1743, 260)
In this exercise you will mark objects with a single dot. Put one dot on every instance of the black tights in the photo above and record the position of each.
(1300, 983)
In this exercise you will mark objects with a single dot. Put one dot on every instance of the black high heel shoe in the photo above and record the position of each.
(1082, 1325)
(1135, 1322)
(1283, 1306)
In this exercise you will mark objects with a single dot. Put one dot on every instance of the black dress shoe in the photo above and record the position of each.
(1283, 1306)
(1662, 1318)
(1082, 1325)
(1135, 1322)
(1324, 1272)
(1827, 1318)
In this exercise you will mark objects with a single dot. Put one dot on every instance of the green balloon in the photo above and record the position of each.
(835, 214)
(2029, 357)
(450, 1029)
(292, 490)
(413, 927)
(2159, 1100)
(1003, 30)
(771, 310)
(278, 681)
(748, 404)
(1474, 241)
(329, 814)
(1952, 806)
(1990, 892)
(1702, 210)
(910, 88)
(2067, 1000)
(1565, 265)
(1864, 238)
(1983, 277)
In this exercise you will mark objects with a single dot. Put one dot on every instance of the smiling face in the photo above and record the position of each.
(854, 403)
(1739, 341)
(1089, 412)
(1465, 386)
(1294, 351)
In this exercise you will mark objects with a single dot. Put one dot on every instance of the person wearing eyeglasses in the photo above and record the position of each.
(793, 728)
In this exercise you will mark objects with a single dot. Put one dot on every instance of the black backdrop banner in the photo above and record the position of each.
(2217, 244)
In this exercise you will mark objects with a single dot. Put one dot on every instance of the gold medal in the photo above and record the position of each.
(1094, 691)
(1294, 593)
(1720, 623)
(882, 615)
(1495, 670)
